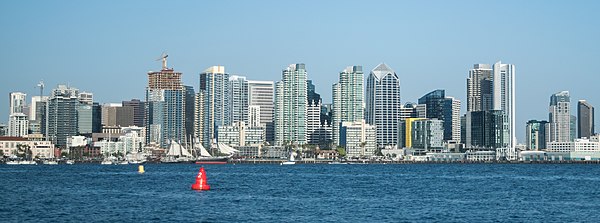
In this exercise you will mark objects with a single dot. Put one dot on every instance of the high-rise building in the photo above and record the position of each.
(428, 134)
(18, 122)
(199, 117)
(479, 88)
(238, 97)
(291, 102)
(61, 121)
(406, 126)
(383, 104)
(254, 116)
(358, 138)
(214, 85)
(560, 117)
(486, 129)
(261, 94)
(115, 114)
(452, 119)
(536, 134)
(446, 109)
(318, 133)
(585, 114)
(84, 118)
(18, 102)
(348, 99)
(165, 106)
(503, 92)
(190, 99)
(239, 134)
(86, 98)
(138, 111)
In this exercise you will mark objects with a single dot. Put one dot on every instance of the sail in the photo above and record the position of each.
(185, 152)
(174, 149)
(203, 151)
(292, 156)
(226, 149)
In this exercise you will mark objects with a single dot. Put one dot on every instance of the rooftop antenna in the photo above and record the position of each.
(163, 57)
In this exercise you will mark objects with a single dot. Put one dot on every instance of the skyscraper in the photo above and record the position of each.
(61, 121)
(165, 106)
(190, 99)
(536, 134)
(138, 111)
(348, 99)
(383, 104)
(446, 109)
(291, 102)
(261, 94)
(479, 88)
(238, 96)
(452, 119)
(560, 117)
(18, 122)
(486, 129)
(585, 115)
(503, 92)
(214, 85)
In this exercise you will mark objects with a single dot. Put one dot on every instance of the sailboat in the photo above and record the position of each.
(206, 158)
(291, 160)
(177, 154)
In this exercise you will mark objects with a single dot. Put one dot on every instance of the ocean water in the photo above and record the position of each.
(302, 193)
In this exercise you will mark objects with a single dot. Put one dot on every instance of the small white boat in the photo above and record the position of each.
(27, 162)
(50, 162)
(291, 160)
(12, 162)
(106, 162)
(70, 162)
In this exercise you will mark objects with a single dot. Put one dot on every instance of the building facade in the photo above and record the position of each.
(165, 107)
(503, 92)
(358, 138)
(238, 97)
(214, 84)
(585, 115)
(383, 104)
(291, 101)
(427, 134)
(348, 99)
(560, 117)
(536, 135)
(262, 94)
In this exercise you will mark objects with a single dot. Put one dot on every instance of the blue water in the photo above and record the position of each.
(302, 193)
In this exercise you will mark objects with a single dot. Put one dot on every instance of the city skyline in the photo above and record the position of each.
(540, 38)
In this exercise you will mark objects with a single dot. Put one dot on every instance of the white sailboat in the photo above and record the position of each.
(206, 158)
(177, 154)
(291, 160)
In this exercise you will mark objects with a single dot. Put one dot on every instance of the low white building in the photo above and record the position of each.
(580, 149)
(39, 148)
(480, 156)
(239, 134)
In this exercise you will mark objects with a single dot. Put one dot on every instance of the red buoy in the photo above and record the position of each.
(201, 183)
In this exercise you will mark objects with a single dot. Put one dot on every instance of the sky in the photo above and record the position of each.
(107, 47)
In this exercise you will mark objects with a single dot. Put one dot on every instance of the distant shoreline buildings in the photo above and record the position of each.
(366, 118)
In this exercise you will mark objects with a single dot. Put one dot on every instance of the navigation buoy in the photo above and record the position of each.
(141, 169)
(201, 183)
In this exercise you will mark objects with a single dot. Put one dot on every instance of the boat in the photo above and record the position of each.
(50, 162)
(70, 162)
(106, 162)
(291, 160)
(337, 163)
(206, 158)
(12, 162)
(177, 154)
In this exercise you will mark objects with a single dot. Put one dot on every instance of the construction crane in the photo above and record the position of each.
(163, 57)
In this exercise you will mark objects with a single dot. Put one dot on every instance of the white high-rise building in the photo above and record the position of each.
(383, 104)
(261, 94)
(18, 123)
(17, 102)
(560, 117)
(214, 84)
(348, 99)
(86, 98)
(33, 108)
(291, 106)
(358, 138)
(503, 92)
(238, 99)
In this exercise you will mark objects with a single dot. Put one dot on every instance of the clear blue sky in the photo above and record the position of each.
(107, 47)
